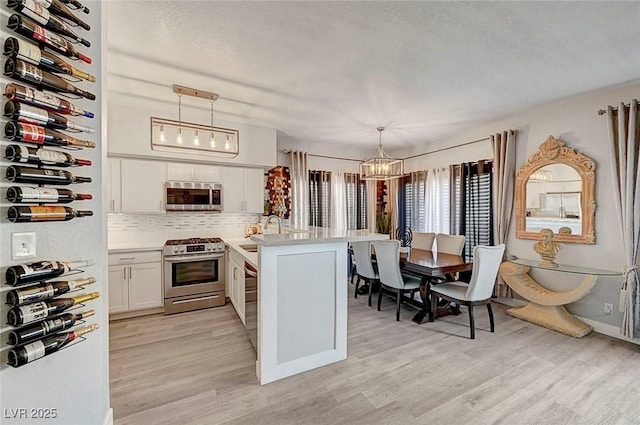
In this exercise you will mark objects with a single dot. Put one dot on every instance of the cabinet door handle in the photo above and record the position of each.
(113, 205)
(130, 273)
(125, 273)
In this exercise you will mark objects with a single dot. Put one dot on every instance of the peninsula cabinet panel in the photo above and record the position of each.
(143, 186)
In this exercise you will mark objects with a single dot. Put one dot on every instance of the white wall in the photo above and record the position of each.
(575, 122)
(74, 381)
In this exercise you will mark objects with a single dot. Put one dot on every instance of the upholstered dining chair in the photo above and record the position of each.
(450, 244)
(423, 240)
(364, 267)
(486, 261)
(391, 279)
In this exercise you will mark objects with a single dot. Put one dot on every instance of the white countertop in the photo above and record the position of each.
(236, 243)
(316, 235)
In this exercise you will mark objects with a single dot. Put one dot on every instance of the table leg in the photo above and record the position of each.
(426, 301)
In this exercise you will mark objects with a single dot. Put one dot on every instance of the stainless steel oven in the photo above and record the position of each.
(194, 274)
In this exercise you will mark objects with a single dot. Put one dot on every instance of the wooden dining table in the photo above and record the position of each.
(430, 264)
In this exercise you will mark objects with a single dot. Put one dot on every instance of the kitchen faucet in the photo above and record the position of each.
(266, 225)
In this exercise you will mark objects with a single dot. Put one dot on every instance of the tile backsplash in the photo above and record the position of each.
(218, 224)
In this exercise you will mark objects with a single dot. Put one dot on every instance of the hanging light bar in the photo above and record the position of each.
(184, 137)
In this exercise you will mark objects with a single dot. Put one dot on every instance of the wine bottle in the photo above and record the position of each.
(42, 16)
(15, 91)
(41, 270)
(29, 52)
(44, 213)
(56, 7)
(24, 195)
(43, 347)
(76, 4)
(30, 29)
(48, 327)
(45, 291)
(21, 174)
(31, 74)
(24, 314)
(32, 115)
(41, 156)
(30, 133)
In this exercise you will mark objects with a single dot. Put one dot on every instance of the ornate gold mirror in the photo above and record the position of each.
(555, 189)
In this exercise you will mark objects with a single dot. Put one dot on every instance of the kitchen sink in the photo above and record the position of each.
(249, 247)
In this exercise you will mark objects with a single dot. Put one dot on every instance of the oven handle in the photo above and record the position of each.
(191, 258)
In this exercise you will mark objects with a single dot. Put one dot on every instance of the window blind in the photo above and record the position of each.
(319, 198)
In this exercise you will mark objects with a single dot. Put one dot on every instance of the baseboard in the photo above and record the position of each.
(108, 420)
(601, 328)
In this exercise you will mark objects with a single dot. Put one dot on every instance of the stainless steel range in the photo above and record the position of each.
(193, 274)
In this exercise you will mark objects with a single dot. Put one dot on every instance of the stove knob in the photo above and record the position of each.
(209, 247)
(182, 249)
(175, 249)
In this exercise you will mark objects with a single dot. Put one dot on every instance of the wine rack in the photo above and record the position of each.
(45, 52)
(279, 191)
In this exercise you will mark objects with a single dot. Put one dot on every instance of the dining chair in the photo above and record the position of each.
(364, 268)
(423, 240)
(391, 279)
(450, 244)
(486, 261)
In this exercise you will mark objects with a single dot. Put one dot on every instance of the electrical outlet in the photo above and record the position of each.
(23, 245)
(608, 308)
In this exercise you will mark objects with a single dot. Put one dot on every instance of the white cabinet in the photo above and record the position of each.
(193, 172)
(135, 281)
(236, 279)
(142, 186)
(113, 188)
(243, 190)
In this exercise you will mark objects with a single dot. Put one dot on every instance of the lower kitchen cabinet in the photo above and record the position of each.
(135, 281)
(236, 279)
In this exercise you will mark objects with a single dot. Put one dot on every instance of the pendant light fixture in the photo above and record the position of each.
(381, 166)
(184, 137)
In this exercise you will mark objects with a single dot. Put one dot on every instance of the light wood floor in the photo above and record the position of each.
(199, 368)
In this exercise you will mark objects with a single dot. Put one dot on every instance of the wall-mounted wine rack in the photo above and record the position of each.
(43, 62)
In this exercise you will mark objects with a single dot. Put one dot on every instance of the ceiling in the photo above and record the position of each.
(331, 72)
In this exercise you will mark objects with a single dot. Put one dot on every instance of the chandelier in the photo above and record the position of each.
(381, 166)
(199, 139)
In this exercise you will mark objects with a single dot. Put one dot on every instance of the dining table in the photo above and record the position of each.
(430, 265)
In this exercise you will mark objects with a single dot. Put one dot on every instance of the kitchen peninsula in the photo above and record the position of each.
(302, 299)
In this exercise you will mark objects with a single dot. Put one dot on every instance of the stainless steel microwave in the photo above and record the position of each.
(193, 196)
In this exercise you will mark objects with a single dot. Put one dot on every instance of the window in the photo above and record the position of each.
(319, 198)
(425, 201)
(356, 202)
(472, 203)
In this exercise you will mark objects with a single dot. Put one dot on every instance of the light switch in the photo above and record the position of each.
(23, 245)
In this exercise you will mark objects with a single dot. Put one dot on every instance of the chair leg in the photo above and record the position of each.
(355, 294)
(434, 307)
(398, 301)
(472, 324)
(493, 327)
(370, 290)
(353, 272)
(380, 297)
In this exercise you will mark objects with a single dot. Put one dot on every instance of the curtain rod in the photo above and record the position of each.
(288, 151)
(615, 108)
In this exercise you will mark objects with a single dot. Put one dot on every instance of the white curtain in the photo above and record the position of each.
(624, 137)
(504, 174)
(372, 205)
(299, 170)
(338, 201)
(436, 201)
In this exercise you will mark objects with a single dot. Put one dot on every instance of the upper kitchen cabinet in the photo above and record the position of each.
(242, 190)
(193, 173)
(130, 135)
(114, 195)
(142, 186)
